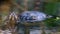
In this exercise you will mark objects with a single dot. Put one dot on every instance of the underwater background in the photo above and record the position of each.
(47, 26)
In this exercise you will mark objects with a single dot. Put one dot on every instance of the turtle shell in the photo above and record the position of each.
(32, 16)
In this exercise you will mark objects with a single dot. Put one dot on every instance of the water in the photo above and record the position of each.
(34, 30)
